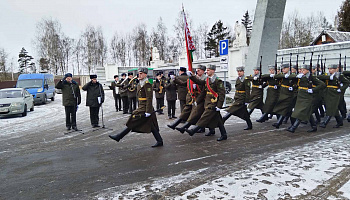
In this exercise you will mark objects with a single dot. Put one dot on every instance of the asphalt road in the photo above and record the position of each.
(38, 161)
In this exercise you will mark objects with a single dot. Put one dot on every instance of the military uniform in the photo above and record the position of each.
(257, 93)
(241, 99)
(132, 93)
(171, 95)
(182, 93)
(143, 119)
(159, 91)
(304, 108)
(123, 90)
(347, 76)
(116, 94)
(336, 83)
(71, 98)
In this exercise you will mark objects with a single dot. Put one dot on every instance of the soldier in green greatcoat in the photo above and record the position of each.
(347, 75)
(272, 94)
(285, 101)
(257, 91)
(241, 99)
(308, 84)
(336, 84)
(143, 119)
(214, 100)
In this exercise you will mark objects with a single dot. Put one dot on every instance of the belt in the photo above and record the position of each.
(303, 88)
(256, 86)
(240, 91)
(332, 86)
(271, 86)
(142, 99)
(285, 86)
(209, 93)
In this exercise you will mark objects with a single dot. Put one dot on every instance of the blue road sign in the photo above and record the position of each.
(223, 47)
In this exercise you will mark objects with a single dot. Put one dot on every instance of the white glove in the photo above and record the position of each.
(272, 75)
(189, 73)
(331, 77)
(286, 76)
(339, 90)
(255, 78)
(194, 86)
(246, 103)
(290, 88)
(217, 109)
(341, 84)
(275, 87)
(310, 91)
(300, 75)
(260, 86)
(172, 76)
(147, 114)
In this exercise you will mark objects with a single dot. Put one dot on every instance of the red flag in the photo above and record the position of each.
(189, 42)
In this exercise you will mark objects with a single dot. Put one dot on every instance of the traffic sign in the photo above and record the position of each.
(223, 47)
(224, 67)
(224, 59)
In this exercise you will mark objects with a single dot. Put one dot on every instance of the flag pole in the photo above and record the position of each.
(189, 59)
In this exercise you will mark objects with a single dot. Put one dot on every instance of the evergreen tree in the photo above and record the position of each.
(24, 60)
(344, 16)
(218, 32)
(248, 25)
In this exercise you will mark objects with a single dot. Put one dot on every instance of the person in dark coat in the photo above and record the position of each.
(171, 94)
(241, 99)
(70, 99)
(181, 88)
(94, 98)
(116, 94)
(257, 93)
(123, 90)
(132, 85)
(307, 85)
(143, 119)
(158, 88)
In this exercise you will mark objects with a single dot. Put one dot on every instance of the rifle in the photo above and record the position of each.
(260, 69)
(297, 63)
(290, 63)
(304, 60)
(340, 64)
(318, 63)
(276, 64)
(310, 79)
(345, 64)
(322, 65)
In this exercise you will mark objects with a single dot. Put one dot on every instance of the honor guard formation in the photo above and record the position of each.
(295, 93)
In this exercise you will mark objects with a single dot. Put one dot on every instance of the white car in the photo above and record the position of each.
(15, 101)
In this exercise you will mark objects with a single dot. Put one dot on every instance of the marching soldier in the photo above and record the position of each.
(123, 90)
(131, 85)
(307, 85)
(257, 93)
(272, 93)
(214, 100)
(171, 95)
(285, 101)
(158, 87)
(116, 94)
(143, 119)
(317, 100)
(347, 76)
(336, 83)
(70, 99)
(94, 98)
(241, 99)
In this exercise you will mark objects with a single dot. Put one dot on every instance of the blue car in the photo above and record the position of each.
(41, 86)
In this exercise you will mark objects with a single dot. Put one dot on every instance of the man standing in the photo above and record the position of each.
(94, 99)
(123, 90)
(241, 99)
(116, 95)
(70, 99)
(143, 119)
(214, 100)
(181, 88)
(171, 95)
(131, 85)
(158, 87)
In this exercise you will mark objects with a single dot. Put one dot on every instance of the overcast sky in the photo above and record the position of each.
(18, 18)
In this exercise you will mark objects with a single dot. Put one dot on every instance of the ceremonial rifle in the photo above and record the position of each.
(310, 71)
(317, 65)
(322, 65)
(345, 64)
(276, 64)
(340, 64)
(297, 63)
(290, 63)
(260, 69)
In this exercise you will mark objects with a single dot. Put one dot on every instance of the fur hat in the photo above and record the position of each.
(143, 70)
(212, 67)
(240, 68)
(202, 67)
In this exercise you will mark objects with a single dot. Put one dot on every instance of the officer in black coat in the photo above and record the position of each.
(94, 99)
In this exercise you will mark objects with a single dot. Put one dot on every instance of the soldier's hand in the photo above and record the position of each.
(147, 114)
(272, 75)
(246, 104)
(300, 75)
(172, 76)
(189, 73)
(339, 90)
(286, 76)
(194, 86)
(217, 109)
(331, 77)
(255, 78)
(310, 91)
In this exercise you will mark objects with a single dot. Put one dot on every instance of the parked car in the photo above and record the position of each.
(41, 86)
(15, 101)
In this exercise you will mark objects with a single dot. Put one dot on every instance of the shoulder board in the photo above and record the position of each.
(326, 74)
(147, 81)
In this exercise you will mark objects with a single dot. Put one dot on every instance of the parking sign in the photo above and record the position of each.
(223, 47)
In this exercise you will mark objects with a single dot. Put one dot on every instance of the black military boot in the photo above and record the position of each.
(223, 133)
(313, 124)
(202, 130)
(120, 135)
(339, 120)
(294, 126)
(263, 118)
(318, 118)
(279, 122)
(325, 122)
(228, 115)
(184, 127)
(250, 111)
(192, 131)
(158, 138)
(173, 125)
(348, 118)
(285, 120)
(249, 124)
(211, 132)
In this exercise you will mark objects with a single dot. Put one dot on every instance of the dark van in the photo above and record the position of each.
(41, 86)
